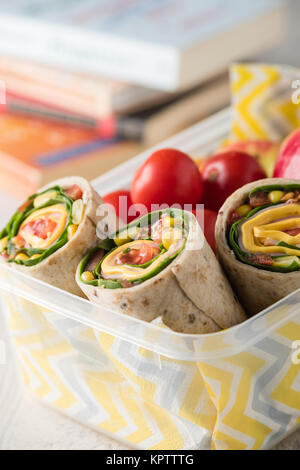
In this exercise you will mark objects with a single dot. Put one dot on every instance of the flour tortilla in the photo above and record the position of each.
(256, 289)
(59, 268)
(192, 294)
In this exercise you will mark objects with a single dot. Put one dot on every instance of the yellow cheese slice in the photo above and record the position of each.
(126, 271)
(57, 213)
(267, 224)
(276, 230)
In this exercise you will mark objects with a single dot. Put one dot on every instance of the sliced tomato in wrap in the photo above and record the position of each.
(42, 225)
(136, 253)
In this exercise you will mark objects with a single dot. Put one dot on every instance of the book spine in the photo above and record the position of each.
(130, 127)
(152, 65)
(105, 128)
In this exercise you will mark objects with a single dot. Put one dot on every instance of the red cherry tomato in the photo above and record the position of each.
(40, 227)
(207, 221)
(121, 201)
(167, 177)
(225, 173)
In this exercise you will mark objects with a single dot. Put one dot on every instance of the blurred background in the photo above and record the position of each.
(87, 84)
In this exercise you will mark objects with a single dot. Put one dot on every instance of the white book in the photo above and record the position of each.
(92, 96)
(164, 44)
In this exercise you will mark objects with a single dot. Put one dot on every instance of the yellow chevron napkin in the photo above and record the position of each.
(265, 101)
(242, 397)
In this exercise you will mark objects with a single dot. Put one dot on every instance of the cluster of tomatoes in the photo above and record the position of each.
(170, 177)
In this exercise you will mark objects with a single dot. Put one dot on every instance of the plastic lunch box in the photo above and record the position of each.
(144, 384)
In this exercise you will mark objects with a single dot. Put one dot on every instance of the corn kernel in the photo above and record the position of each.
(72, 229)
(122, 238)
(275, 196)
(3, 244)
(77, 211)
(87, 276)
(134, 232)
(171, 236)
(244, 210)
(35, 256)
(168, 221)
(43, 198)
(21, 257)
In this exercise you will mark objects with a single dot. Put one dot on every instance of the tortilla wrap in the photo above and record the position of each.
(256, 288)
(59, 268)
(191, 293)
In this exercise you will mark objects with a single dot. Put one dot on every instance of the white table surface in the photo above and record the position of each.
(27, 424)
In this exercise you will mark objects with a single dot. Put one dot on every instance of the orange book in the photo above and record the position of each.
(34, 152)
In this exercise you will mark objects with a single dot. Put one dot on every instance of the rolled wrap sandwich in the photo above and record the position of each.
(258, 241)
(161, 265)
(49, 234)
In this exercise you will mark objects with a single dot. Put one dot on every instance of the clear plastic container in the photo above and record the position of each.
(145, 384)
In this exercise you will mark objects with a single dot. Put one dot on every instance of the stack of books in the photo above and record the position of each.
(84, 85)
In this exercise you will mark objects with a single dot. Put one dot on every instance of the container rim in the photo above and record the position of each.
(169, 343)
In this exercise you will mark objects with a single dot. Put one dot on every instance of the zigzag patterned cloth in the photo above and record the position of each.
(265, 101)
(245, 395)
